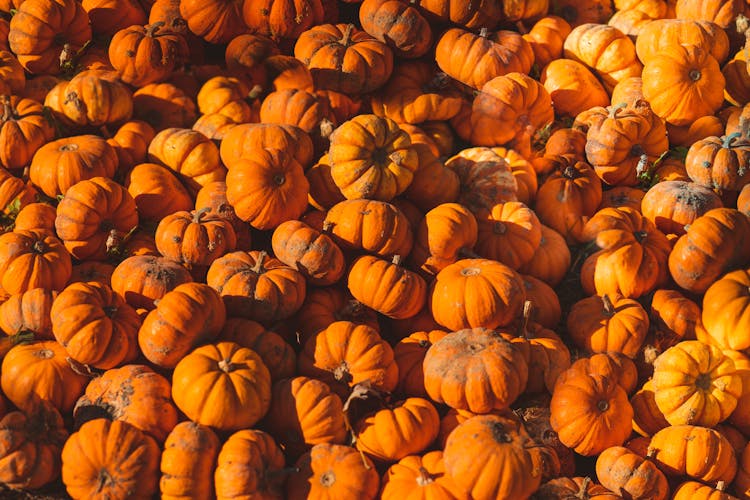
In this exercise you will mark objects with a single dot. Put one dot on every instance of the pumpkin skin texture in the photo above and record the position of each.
(476, 293)
(330, 471)
(633, 256)
(278, 356)
(345, 354)
(40, 371)
(188, 462)
(256, 286)
(687, 71)
(143, 279)
(486, 178)
(309, 251)
(647, 418)
(222, 385)
(441, 236)
(659, 35)
(244, 140)
(304, 412)
(135, 394)
(493, 457)
(724, 311)
(714, 244)
(214, 197)
(619, 469)
(33, 259)
(143, 55)
(191, 314)
(409, 354)
(344, 59)
(323, 306)
(95, 97)
(216, 21)
(90, 212)
(693, 490)
(621, 139)
(268, 189)
(515, 99)
(30, 446)
(195, 238)
(163, 106)
(406, 427)
(28, 312)
(373, 226)
(157, 191)
(571, 488)
(192, 155)
(595, 45)
(475, 59)
(23, 130)
(688, 202)
(60, 164)
(387, 287)
(371, 157)
(426, 473)
(29, 36)
(451, 364)
(604, 324)
(680, 450)
(568, 197)
(551, 259)
(416, 93)
(401, 26)
(248, 465)
(590, 413)
(719, 163)
(110, 459)
(572, 87)
(509, 233)
(695, 384)
(546, 38)
(614, 366)
(95, 325)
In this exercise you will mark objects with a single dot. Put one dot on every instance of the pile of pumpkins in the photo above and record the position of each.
(354, 249)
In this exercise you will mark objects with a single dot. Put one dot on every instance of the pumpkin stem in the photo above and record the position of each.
(721, 485)
(39, 246)
(255, 92)
(363, 401)
(326, 128)
(66, 56)
(424, 478)
(609, 308)
(151, 29)
(528, 308)
(521, 27)
(80, 368)
(226, 365)
(694, 74)
(199, 214)
(347, 35)
(614, 109)
(498, 227)
(327, 227)
(258, 267)
(729, 139)
(582, 492)
(396, 158)
(484, 32)
(7, 108)
(396, 260)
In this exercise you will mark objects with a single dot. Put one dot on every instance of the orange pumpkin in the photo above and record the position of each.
(226, 373)
(345, 354)
(683, 84)
(371, 157)
(590, 413)
(451, 364)
(695, 384)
